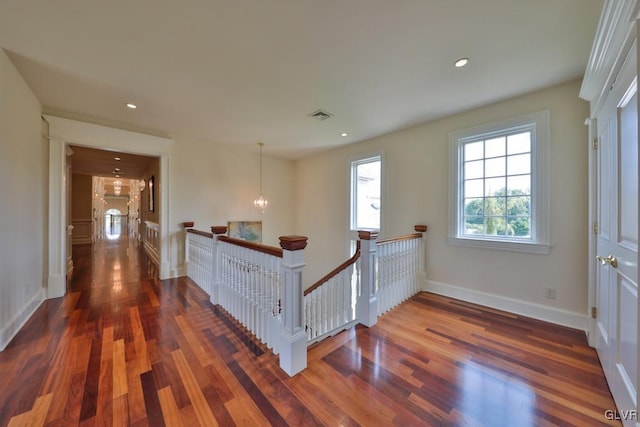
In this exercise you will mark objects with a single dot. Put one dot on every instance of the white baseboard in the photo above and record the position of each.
(178, 272)
(512, 305)
(11, 329)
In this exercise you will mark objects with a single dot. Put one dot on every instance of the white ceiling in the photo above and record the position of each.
(247, 71)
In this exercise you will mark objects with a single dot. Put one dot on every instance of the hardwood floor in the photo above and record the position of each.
(123, 348)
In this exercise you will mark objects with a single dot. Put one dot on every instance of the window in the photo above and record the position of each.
(366, 178)
(499, 185)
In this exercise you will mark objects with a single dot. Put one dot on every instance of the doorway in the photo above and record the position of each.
(113, 224)
(62, 131)
(616, 238)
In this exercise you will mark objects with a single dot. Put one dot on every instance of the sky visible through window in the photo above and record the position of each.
(368, 195)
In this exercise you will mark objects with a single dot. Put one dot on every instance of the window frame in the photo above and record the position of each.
(353, 194)
(539, 242)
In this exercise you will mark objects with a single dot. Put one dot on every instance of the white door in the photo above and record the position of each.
(617, 242)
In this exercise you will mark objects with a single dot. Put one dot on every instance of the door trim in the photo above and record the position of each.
(64, 132)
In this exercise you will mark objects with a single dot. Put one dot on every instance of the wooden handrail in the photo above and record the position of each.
(270, 250)
(399, 238)
(200, 233)
(335, 271)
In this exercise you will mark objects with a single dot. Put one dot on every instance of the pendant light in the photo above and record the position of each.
(117, 186)
(261, 203)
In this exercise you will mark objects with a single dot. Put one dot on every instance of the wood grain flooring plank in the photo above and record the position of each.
(267, 409)
(220, 412)
(321, 404)
(196, 343)
(92, 381)
(123, 348)
(135, 395)
(40, 409)
(105, 390)
(151, 400)
(167, 375)
(72, 406)
(276, 391)
(362, 409)
(120, 411)
(20, 420)
(198, 401)
(380, 379)
(35, 416)
(170, 411)
(119, 370)
(245, 413)
(140, 344)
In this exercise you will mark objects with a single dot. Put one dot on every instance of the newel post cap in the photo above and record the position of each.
(293, 243)
(421, 228)
(367, 235)
(188, 224)
(219, 229)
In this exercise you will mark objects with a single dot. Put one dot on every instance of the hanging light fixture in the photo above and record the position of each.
(261, 203)
(117, 187)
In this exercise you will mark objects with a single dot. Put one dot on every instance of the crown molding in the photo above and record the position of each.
(614, 37)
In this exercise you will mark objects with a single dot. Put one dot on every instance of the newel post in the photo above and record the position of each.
(422, 274)
(367, 305)
(293, 355)
(217, 230)
(187, 225)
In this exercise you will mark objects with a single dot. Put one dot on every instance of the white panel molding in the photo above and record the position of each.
(165, 238)
(56, 282)
(511, 305)
(13, 327)
(82, 231)
(614, 36)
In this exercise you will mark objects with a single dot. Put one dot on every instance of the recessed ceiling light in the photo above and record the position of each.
(344, 134)
(116, 158)
(461, 62)
(132, 106)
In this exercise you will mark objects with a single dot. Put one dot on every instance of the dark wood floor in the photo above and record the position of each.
(123, 348)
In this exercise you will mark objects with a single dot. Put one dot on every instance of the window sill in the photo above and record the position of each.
(501, 245)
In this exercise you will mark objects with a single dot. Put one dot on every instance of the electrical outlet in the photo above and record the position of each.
(550, 293)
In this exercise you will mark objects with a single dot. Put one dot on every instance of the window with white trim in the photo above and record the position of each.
(499, 185)
(366, 179)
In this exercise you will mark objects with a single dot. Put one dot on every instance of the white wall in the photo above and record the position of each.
(23, 163)
(215, 183)
(416, 171)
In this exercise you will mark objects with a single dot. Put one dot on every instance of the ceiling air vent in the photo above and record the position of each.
(320, 115)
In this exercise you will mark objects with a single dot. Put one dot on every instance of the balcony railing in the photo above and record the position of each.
(261, 286)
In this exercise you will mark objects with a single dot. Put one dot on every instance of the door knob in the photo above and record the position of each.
(609, 259)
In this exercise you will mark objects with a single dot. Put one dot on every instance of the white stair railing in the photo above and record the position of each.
(399, 265)
(251, 289)
(258, 285)
(329, 304)
(199, 259)
(261, 286)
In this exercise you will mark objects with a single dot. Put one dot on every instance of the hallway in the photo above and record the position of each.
(123, 348)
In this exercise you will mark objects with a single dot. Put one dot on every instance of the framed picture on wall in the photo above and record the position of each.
(151, 188)
(250, 231)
